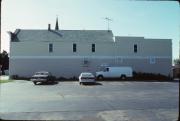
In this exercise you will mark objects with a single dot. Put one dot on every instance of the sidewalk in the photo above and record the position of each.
(4, 77)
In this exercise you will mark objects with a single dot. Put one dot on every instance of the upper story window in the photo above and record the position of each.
(135, 48)
(50, 47)
(93, 48)
(74, 47)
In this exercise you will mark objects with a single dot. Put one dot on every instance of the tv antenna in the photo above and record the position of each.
(108, 20)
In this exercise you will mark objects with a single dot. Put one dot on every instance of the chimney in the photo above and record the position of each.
(49, 27)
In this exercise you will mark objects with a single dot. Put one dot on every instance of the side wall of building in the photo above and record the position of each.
(69, 67)
(152, 56)
(61, 49)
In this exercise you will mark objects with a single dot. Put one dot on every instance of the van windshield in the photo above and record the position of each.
(86, 74)
(106, 69)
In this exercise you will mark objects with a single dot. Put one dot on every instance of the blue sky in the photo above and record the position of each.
(151, 19)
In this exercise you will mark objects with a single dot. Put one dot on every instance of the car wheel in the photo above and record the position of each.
(100, 77)
(123, 77)
(80, 83)
(35, 83)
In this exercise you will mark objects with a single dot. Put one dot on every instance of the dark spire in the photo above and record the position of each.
(49, 27)
(57, 26)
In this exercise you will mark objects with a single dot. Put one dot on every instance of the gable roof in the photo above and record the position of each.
(64, 35)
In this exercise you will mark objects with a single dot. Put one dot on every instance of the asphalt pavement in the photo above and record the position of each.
(104, 101)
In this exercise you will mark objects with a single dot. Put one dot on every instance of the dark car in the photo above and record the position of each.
(42, 77)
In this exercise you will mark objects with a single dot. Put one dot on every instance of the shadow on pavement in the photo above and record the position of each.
(92, 84)
(48, 83)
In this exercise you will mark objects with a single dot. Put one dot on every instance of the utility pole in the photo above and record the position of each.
(0, 26)
(0, 35)
(178, 70)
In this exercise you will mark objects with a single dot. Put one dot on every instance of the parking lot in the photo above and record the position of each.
(104, 101)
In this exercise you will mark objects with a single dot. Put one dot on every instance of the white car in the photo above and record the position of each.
(86, 77)
(42, 76)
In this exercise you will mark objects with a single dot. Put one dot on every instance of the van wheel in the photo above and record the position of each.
(100, 77)
(123, 77)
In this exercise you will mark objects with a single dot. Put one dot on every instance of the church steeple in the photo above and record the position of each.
(57, 26)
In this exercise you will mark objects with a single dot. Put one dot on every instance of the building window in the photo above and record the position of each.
(93, 47)
(135, 48)
(74, 47)
(51, 48)
(152, 60)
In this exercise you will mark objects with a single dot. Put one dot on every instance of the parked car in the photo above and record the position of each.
(115, 72)
(86, 77)
(42, 77)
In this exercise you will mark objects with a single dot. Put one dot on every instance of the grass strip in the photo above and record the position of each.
(5, 81)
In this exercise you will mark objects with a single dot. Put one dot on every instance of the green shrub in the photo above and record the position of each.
(150, 76)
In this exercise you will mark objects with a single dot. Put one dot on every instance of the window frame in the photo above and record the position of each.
(93, 48)
(51, 47)
(135, 48)
(152, 60)
(74, 47)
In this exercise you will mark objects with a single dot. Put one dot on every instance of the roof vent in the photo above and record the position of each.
(49, 27)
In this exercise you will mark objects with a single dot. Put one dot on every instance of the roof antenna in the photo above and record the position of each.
(108, 20)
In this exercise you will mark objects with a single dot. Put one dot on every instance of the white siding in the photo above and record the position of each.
(61, 48)
(30, 56)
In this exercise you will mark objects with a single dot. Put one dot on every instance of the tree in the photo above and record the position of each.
(177, 61)
(4, 61)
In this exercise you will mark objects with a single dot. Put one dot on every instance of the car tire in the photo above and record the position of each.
(100, 77)
(123, 77)
(35, 83)
(80, 83)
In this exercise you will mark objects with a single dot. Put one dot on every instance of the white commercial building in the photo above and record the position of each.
(67, 53)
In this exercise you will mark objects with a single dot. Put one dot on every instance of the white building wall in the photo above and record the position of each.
(29, 57)
(145, 47)
(61, 49)
(69, 67)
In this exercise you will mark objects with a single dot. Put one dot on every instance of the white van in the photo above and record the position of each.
(115, 72)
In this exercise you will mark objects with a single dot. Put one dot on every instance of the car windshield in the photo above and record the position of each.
(41, 73)
(86, 74)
